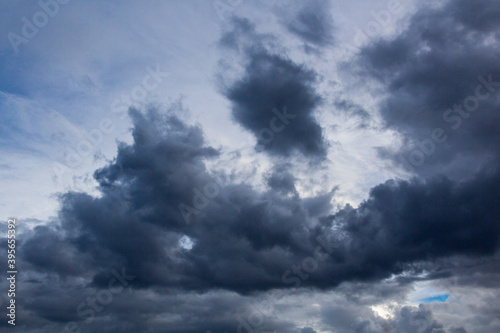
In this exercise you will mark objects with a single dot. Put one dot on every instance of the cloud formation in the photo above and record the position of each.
(441, 73)
(275, 99)
(197, 250)
(266, 235)
(312, 23)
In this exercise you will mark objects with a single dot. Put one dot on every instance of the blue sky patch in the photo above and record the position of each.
(435, 299)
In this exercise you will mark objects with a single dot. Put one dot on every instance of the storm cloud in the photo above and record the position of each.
(441, 74)
(267, 236)
(275, 99)
(179, 242)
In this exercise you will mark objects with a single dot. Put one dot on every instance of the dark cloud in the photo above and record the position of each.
(307, 330)
(312, 23)
(442, 60)
(265, 234)
(281, 180)
(275, 99)
(243, 240)
(158, 191)
(458, 330)
(141, 192)
(416, 221)
(47, 249)
(480, 15)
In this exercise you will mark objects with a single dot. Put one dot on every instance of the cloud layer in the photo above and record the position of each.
(170, 243)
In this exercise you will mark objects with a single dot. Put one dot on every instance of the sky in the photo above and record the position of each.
(213, 166)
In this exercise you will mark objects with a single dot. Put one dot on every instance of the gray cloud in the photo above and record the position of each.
(281, 180)
(435, 73)
(275, 99)
(246, 242)
(141, 193)
(265, 233)
(312, 23)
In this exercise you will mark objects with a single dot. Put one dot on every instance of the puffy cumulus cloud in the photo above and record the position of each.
(442, 73)
(157, 191)
(412, 320)
(345, 318)
(274, 98)
(406, 226)
(416, 220)
(419, 319)
(243, 240)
